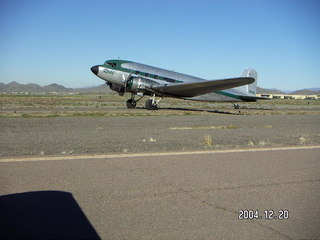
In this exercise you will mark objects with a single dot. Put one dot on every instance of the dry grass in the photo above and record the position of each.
(208, 141)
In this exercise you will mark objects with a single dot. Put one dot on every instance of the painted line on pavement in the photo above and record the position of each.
(132, 155)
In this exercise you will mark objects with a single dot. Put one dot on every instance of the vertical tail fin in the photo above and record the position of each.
(250, 88)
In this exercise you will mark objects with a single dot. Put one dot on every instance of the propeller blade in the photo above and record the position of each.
(125, 81)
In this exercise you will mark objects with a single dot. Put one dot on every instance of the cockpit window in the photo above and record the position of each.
(112, 64)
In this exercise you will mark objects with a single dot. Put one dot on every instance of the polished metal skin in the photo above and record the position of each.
(140, 79)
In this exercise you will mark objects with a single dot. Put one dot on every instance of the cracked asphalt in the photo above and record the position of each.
(196, 196)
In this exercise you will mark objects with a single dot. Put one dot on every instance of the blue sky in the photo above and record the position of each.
(57, 41)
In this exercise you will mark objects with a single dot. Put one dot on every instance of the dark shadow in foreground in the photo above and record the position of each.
(43, 215)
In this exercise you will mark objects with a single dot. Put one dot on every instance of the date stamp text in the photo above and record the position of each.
(268, 214)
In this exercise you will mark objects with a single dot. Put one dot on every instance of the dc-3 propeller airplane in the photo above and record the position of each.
(143, 80)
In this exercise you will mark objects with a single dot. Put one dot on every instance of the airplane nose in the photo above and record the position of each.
(95, 69)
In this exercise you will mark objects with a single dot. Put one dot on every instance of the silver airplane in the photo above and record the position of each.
(143, 80)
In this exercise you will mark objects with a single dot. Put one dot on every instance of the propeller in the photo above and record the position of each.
(125, 81)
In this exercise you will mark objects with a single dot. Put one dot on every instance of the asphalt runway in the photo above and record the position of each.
(167, 176)
(191, 195)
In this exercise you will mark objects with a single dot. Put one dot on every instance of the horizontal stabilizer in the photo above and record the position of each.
(200, 88)
(252, 98)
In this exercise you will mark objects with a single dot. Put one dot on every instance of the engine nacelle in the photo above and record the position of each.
(116, 87)
(139, 84)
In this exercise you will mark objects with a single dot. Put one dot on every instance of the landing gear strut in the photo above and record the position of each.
(152, 103)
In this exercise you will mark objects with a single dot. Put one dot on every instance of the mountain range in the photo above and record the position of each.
(307, 91)
(35, 88)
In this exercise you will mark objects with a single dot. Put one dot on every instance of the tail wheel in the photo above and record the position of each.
(236, 106)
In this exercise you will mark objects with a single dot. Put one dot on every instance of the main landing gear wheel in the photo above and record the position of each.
(152, 103)
(131, 103)
(150, 106)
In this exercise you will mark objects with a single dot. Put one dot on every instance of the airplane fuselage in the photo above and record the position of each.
(140, 79)
(115, 71)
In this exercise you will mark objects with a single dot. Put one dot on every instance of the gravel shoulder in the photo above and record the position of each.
(118, 134)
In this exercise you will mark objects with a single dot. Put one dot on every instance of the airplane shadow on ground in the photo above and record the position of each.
(199, 110)
(43, 215)
(235, 111)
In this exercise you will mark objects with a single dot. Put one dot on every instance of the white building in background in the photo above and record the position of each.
(289, 96)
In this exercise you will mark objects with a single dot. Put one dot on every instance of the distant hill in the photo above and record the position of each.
(56, 88)
(312, 91)
(269, 91)
(35, 88)
(32, 87)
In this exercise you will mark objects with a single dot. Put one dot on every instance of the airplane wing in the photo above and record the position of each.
(200, 88)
